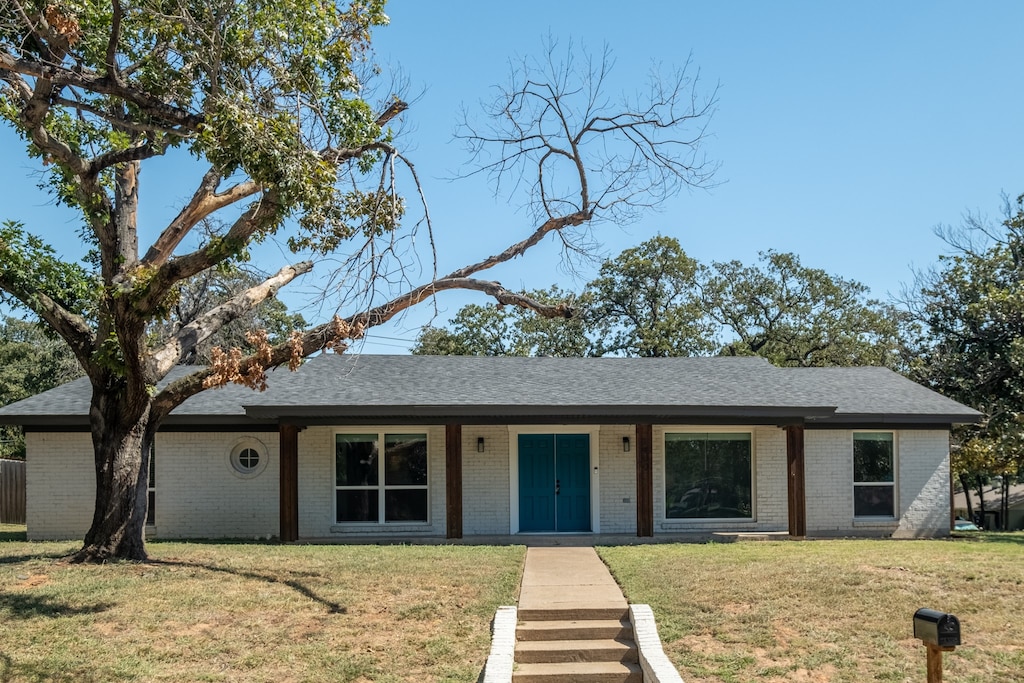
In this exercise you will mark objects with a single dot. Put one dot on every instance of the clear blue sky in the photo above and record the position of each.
(846, 131)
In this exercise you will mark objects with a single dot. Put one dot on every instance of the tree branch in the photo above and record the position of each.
(353, 327)
(60, 77)
(257, 217)
(204, 202)
(191, 335)
(71, 327)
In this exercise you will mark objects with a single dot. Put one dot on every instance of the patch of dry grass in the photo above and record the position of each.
(225, 612)
(830, 611)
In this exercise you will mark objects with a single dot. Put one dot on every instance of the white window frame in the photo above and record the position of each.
(381, 487)
(151, 487)
(707, 429)
(895, 476)
(247, 443)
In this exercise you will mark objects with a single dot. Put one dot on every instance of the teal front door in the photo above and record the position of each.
(554, 482)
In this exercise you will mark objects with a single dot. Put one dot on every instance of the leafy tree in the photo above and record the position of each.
(972, 308)
(799, 316)
(654, 300)
(30, 362)
(647, 303)
(266, 100)
(496, 330)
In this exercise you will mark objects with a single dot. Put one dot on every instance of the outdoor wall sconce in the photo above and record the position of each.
(625, 444)
(479, 444)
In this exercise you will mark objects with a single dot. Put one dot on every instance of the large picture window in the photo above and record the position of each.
(708, 476)
(874, 486)
(375, 489)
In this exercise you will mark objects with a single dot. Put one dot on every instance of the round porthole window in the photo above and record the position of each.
(248, 458)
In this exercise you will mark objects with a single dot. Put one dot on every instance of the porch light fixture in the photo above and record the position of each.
(625, 444)
(479, 444)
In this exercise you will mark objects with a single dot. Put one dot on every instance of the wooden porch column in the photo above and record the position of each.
(644, 480)
(797, 494)
(289, 482)
(453, 478)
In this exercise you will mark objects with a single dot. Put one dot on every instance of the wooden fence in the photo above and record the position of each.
(12, 491)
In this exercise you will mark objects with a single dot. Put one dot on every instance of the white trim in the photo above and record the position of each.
(247, 443)
(594, 434)
(877, 519)
(678, 523)
(380, 431)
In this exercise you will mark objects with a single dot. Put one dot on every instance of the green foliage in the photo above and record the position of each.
(798, 316)
(30, 267)
(495, 330)
(30, 362)
(973, 311)
(647, 303)
(654, 300)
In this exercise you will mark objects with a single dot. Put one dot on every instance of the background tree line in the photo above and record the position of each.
(655, 300)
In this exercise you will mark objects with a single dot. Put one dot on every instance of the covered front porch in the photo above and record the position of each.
(637, 444)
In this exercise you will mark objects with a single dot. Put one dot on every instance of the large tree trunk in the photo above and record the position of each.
(981, 498)
(966, 485)
(122, 436)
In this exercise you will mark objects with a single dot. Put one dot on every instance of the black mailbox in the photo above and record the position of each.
(937, 628)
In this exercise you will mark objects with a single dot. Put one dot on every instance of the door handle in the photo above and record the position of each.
(558, 486)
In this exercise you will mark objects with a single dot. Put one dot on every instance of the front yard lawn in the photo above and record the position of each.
(247, 612)
(836, 611)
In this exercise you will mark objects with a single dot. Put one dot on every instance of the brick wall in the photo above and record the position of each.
(924, 484)
(60, 485)
(617, 475)
(922, 499)
(200, 495)
(485, 480)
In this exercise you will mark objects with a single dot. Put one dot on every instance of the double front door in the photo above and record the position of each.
(554, 482)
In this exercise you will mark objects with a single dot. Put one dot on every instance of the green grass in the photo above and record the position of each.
(231, 612)
(837, 611)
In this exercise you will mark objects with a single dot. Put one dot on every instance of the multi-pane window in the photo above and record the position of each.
(371, 488)
(151, 506)
(708, 475)
(874, 486)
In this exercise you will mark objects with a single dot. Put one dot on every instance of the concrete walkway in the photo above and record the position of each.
(559, 583)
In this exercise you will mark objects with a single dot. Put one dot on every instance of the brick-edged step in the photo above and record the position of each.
(579, 672)
(588, 629)
(539, 651)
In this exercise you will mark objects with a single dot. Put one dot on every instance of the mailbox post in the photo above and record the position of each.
(940, 632)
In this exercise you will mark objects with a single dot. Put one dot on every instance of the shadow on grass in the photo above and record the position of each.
(15, 559)
(27, 605)
(13, 671)
(332, 607)
(11, 536)
(1011, 537)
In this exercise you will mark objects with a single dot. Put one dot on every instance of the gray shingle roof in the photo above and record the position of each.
(421, 388)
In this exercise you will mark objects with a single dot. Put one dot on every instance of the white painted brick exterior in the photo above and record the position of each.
(60, 485)
(485, 480)
(922, 498)
(198, 494)
(618, 480)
